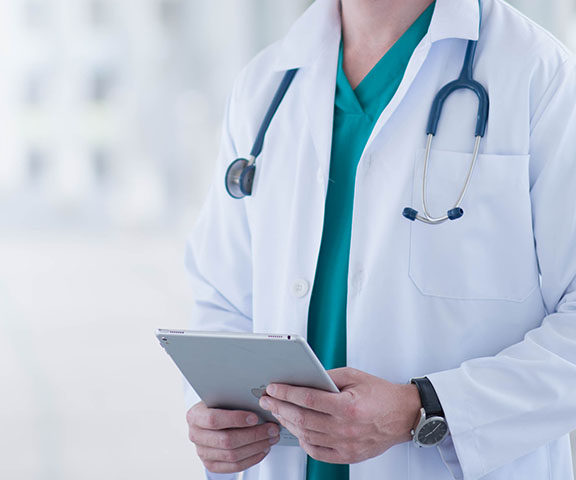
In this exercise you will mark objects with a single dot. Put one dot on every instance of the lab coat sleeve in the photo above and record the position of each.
(503, 407)
(218, 260)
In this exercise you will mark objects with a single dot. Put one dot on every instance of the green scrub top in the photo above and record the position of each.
(355, 114)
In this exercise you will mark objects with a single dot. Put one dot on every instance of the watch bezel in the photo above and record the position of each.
(425, 421)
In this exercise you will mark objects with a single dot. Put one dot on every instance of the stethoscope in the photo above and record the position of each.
(240, 174)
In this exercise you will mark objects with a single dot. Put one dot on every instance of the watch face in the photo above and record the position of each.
(433, 431)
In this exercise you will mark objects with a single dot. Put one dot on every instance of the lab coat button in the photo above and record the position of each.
(300, 288)
(319, 176)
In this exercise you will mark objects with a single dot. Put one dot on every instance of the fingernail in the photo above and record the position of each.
(273, 431)
(274, 440)
(251, 419)
(271, 389)
(264, 402)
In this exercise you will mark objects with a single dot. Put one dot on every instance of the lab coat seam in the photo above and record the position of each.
(549, 461)
(472, 431)
(473, 299)
(528, 338)
(534, 25)
(446, 462)
(541, 107)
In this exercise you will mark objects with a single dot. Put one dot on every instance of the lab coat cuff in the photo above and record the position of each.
(221, 476)
(460, 448)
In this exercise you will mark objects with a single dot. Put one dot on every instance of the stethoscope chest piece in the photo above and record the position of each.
(240, 178)
(240, 174)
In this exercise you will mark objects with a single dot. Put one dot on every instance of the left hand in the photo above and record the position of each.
(365, 419)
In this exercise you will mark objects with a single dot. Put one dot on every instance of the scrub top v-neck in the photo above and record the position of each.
(355, 114)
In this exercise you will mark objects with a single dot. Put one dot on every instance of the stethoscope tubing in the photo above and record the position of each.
(427, 217)
(240, 174)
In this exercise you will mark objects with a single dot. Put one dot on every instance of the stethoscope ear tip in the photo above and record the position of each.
(455, 213)
(409, 213)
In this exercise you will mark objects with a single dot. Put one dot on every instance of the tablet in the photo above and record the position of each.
(232, 370)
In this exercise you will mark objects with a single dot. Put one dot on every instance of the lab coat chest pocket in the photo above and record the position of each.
(489, 253)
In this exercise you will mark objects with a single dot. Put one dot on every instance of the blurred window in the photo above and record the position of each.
(36, 13)
(99, 11)
(170, 12)
(35, 89)
(101, 85)
(37, 162)
(101, 164)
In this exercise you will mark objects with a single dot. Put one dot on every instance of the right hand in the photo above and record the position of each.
(229, 441)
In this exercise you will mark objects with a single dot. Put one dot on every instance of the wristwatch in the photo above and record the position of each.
(432, 428)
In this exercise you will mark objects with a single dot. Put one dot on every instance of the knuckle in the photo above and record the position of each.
(230, 456)
(299, 419)
(190, 417)
(226, 442)
(305, 437)
(348, 432)
(309, 399)
(201, 452)
(211, 420)
(351, 410)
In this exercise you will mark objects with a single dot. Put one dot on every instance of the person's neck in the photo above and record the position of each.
(370, 28)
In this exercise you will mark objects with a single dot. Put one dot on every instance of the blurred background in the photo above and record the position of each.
(110, 115)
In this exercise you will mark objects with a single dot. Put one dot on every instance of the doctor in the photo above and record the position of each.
(479, 311)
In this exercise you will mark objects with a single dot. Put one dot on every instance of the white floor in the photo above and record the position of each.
(86, 391)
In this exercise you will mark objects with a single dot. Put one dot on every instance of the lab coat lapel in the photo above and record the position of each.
(312, 46)
(416, 62)
(451, 19)
(319, 87)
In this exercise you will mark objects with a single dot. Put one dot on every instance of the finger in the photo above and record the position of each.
(234, 437)
(310, 398)
(237, 454)
(298, 416)
(226, 467)
(217, 419)
(309, 436)
(322, 454)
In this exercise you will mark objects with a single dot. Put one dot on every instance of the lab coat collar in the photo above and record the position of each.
(320, 27)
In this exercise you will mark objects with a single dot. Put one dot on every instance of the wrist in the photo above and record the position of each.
(431, 429)
(412, 405)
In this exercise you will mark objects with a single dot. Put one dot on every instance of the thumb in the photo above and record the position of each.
(344, 377)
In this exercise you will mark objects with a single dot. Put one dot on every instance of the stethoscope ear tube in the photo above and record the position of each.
(456, 211)
(464, 81)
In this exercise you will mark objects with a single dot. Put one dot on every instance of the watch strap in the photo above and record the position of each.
(430, 401)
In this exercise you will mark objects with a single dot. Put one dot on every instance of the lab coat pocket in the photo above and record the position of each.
(489, 253)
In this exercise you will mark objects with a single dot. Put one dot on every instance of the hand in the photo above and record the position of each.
(229, 441)
(365, 419)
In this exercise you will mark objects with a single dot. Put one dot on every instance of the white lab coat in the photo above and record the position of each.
(485, 305)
